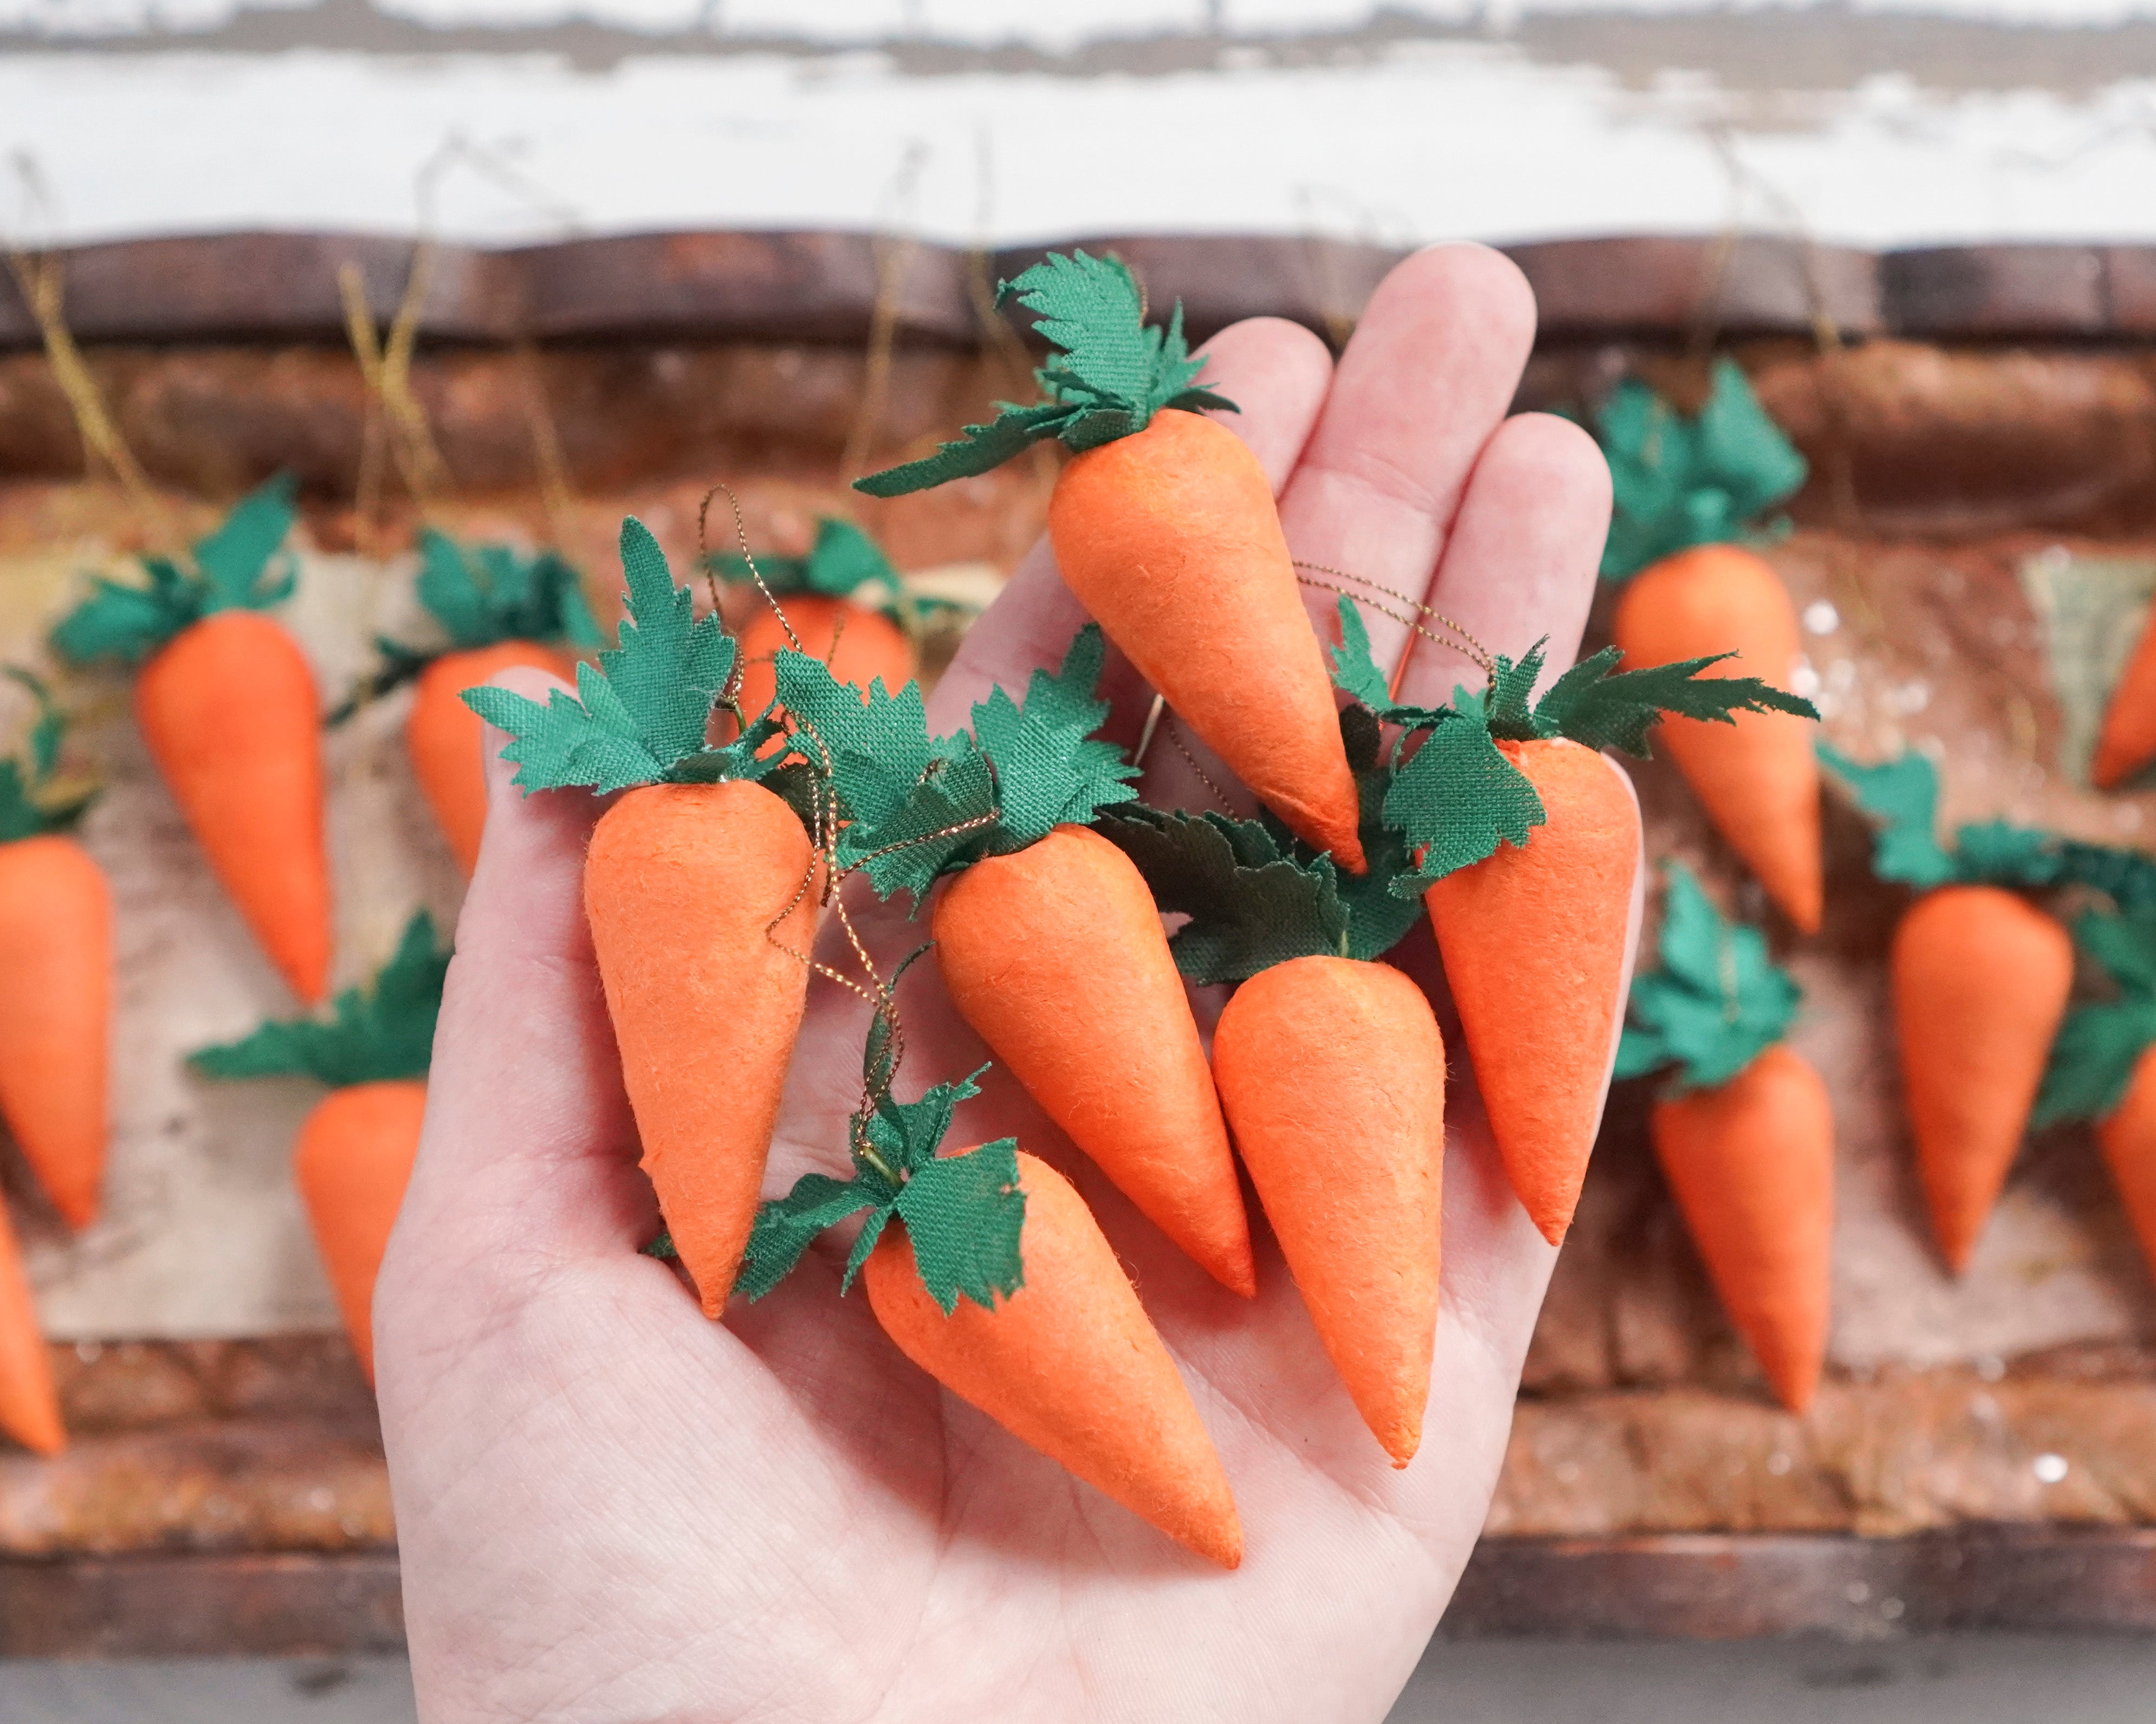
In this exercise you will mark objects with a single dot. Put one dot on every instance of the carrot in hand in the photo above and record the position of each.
(1048, 941)
(226, 700)
(1164, 527)
(1980, 978)
(500, 610)
(700, 886)
(1528, 843)
(997, 1281)
(355, 1153)
(2102, 1066)
(55, 974)
(842, 603)
(1744, 1131)
(1331, 1072)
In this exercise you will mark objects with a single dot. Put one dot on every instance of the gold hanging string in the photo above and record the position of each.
(385, 366)
(558, 496)
(893, 251)
(1460, 638)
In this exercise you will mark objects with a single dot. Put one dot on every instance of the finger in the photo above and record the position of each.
(1432, 366)
(1522, 560)
(529, 1144)
(1276, 372)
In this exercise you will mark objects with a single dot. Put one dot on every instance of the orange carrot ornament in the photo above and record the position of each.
(1049, 943)
(1164, 527)
(1526, 842)
(2102, 1066)
(700, 886)
(1685, 493)
(1981, 980)
(1744, 1130)
(226, 700)
(1330, 1069)
(842, 603)
(55, 974)
(499, 609)
(355, 1153)
(998, 1282)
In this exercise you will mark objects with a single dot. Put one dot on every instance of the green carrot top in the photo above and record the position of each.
(1254, 894)
(639, 715)
(1110, 372)
(2099, 1045)
(1716, 1003)
(236, 567)
(1457, 798)
(373, 1034)
(32, 802)
(482, 595)
(964, 1214)
(844, 562)
(1902, 796)
(1679, 481)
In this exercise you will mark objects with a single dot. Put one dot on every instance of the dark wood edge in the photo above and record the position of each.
(774, 285)
(1731, 1586)
(2033, 1579)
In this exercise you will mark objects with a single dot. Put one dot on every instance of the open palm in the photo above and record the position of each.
(611, 1509)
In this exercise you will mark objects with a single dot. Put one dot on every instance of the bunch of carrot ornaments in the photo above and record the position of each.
(1045, 882)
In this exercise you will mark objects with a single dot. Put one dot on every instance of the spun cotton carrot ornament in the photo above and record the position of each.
(1049, 943)
(226, 700)
(701, 885)
(1164, 527)
(1686, 492)
(499, 609)
(843, 602)
(55, 973)
(1526, 842)
(1330, 1069)
(355, 1152)
(1980, 978)
(1744, 1130)
(2102, 1066)
(990, 1272)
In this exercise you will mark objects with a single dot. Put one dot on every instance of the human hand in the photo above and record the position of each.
(610, 1508)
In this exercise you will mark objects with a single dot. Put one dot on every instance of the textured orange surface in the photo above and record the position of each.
(1056, 955)
(2127, 742)
(1333, 1075)
(685, 887)
(442, 735)
(56, 1014)
(1752, 1166)
(229, 711)
(2128, 1139)
(29, 1408)
(1171, 539)
(1758, 778)
(1533, 941)
(352, 1162)
(1980, 979)
(1070, 1364)
(859, 645)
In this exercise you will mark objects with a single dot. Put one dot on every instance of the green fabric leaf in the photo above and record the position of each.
(1716, 1003)
(1600, 711)
(2124, 946)
(1504, 706)
(1051, 769)
(1678, 482)
(127, 624)
(965, 1216)
(786, 1226)
(875, 752)
(842, 561)
(376, 1033)
(1354, 671)
(1902, 795)
(2092, 1061)
(1995, 852)
(944, 824)
(28, 808)
(1112, 373)
(1455, 800)
(638, 717)
(2127, 877)
(483, 593)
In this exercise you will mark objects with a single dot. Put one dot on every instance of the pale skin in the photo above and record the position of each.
(611, 1509)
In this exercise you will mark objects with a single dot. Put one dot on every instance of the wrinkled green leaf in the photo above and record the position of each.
(1455, 800)
(482, 594)
(842, 562)
(2099, 1046)
(1051, 769)
(374, 1034)
(1716, 1003)
(1902, 795)
(1598, 710)
(787, 1226)
(29, 804)
(965, 1216)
